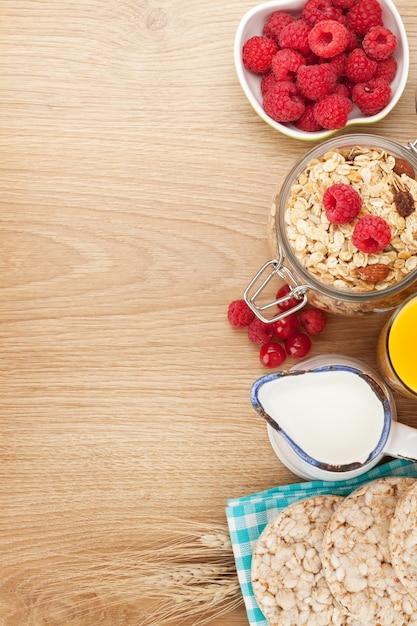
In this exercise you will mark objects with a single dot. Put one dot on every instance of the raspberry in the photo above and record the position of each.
(363, 15)
(315, 11)
(371, 234)
(338, 63)
(342, 89)
(286, 327)
(285, 63)
(310, 58)
(359, 67)
(257, 54)
(259, 332)
(267, 81)
(276, 22)
(307, 121)
(371, 97)
(316, 81)
(298, 345)
(342, 203)
(332, 111)
(313, 320)
(272, 354)
(379, 43)
(328, 38)
(283, 102)
(344, 4)
(240, 314)
(386, 69)
(286, 304)
(353, 41)
(295, 35)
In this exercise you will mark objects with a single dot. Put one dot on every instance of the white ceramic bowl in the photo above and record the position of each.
(252, 24)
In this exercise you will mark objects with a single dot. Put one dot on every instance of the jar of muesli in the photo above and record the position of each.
(320, 259)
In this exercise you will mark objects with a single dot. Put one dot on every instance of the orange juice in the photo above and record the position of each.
(397, 349)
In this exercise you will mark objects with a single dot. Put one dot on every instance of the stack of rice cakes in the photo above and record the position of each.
(329, 560)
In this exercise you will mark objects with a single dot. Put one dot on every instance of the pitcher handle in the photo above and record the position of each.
(402, 442)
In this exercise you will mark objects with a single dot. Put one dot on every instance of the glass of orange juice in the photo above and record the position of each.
(397, 349)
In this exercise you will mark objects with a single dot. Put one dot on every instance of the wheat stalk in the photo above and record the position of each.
(188, 572)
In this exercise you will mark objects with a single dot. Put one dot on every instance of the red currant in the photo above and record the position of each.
(286, 327)
(287, 304)
(313, 320)
(298, 345)
(272, 354)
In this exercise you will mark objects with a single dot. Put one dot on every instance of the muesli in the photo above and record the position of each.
(388, 189)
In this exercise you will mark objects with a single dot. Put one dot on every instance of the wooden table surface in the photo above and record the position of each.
(135, 186)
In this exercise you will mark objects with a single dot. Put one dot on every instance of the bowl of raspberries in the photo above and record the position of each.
(312, 67)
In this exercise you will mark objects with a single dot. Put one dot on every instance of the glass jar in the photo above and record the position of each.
(286, 266)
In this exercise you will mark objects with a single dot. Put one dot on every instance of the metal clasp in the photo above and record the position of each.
(268, 272)
(412, 145)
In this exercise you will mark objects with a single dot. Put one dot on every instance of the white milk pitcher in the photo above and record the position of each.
(331, 417)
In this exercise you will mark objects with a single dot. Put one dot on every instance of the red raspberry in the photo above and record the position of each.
(363, 15)
(386, 69)
(332, 111)
(359, 67)
(276, 22)
(371, 234)
(349, 85)
(285, 64)
(272, 354)
(295, 35)
(283, 103)
(328, 38)
(240, 314)
(298, 345)
(342, 203)
(353, 41)
(286, 304)
(373, 96)
(313, 320)
(316, 81)
(316, 10)
(338, 63)
(379, 43)
(259, 332)
(257, 54)
(343, 90)
(344, 4)
(310, 58)
(286, 327)
(343, 20)
(307, 121)
(267, 81)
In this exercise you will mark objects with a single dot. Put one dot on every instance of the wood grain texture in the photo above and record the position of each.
(135, 183)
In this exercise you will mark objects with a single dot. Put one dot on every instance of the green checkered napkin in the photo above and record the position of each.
(248, 516)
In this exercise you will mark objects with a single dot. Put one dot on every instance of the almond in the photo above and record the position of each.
(404, 167)
(372, 273)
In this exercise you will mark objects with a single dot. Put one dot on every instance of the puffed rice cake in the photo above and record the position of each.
(287, 578)
(403, 540)
(356, 557)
